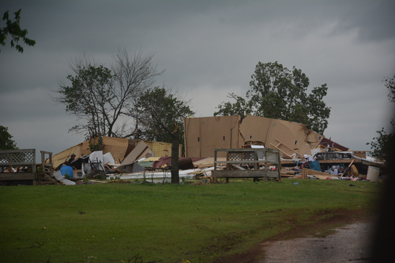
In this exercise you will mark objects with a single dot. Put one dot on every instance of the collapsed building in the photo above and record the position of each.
(262, 147)
(291, 139)
(119, 148)
(294, 141)
(20, 166)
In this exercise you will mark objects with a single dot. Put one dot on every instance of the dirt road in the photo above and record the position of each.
(349, 244)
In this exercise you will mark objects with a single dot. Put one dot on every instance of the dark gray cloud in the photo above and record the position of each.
(373, 20)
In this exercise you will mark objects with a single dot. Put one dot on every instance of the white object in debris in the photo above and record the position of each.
(154, 175)
(59, 176)
(107, 158)
(257, 146)
(373, 173)
(309, 158)
(315, 151)
(96, 156)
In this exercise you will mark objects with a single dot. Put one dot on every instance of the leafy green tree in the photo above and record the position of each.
(6, 141)
(279, 93)
(240, 107)
(89, 98)
(383, 144)
(161, 116)
(13, 29)
(103, 99)
(389, 83)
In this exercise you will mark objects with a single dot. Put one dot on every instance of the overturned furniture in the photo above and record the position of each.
(251, 157)
(21, 167)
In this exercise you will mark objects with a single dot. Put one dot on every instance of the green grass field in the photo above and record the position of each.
(164, 223)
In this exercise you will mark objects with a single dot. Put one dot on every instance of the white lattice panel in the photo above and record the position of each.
(17, 157)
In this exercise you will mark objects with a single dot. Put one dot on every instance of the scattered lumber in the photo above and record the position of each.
(320, 175)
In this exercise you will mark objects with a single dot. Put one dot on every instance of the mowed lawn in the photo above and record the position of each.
(164, 223)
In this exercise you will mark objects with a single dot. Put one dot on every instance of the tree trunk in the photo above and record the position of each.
(175, 179)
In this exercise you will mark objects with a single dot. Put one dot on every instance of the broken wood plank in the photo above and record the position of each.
(287, 155)
(17, 176)
(306, 171)
(238, 167)
(346, 170)
(322, 177)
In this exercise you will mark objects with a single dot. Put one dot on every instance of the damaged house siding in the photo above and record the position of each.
(204, 135)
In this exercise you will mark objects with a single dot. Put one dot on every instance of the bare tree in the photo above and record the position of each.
(103, 99)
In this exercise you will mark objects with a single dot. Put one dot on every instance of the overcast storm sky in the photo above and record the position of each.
(208, 49)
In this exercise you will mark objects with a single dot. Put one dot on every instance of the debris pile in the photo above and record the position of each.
(215, 147)
(304, 153)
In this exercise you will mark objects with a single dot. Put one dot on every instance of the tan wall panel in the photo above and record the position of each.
(254, 128)
(281, 136)
(116, 146)
(61, 157)
(85, 148)
(158, 148)
(289, 137)
(306, 139)
(191, 135)
(203, 135)
(295, 137)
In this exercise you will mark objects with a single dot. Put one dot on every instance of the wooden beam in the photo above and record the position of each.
(287, 146)
(17, 176)
(281, 150)
(345, 171)
(244, 174)
(320, 175)
(238, 162)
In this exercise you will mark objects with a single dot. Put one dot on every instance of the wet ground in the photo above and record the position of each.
(322, 241)
(350, 243)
